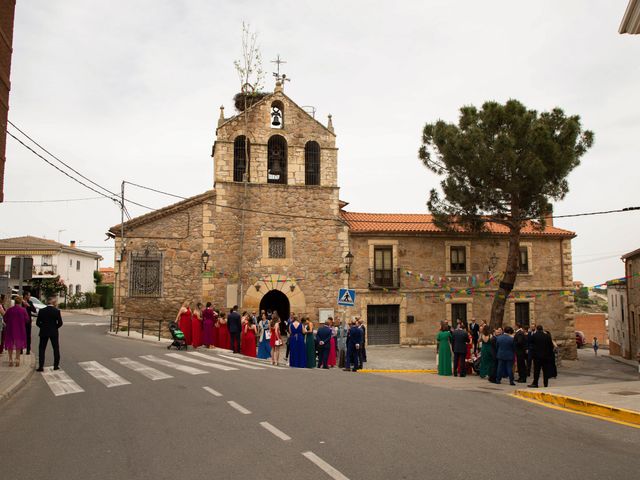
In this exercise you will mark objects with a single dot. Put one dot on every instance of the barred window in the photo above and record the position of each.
(458, 259)
(277, 247)
(145, 274)
(240, 157)
(312, 163)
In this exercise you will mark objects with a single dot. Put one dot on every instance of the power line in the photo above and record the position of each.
(55, 201)
(392, 222)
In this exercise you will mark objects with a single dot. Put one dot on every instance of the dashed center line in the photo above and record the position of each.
(278, 433)
(324, 466)
(213, 392)
(239, 407)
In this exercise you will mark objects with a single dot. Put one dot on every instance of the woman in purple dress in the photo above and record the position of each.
(207, 326)
(15, 332)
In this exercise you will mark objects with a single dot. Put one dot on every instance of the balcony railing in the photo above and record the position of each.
(44, 270)
(380, 279)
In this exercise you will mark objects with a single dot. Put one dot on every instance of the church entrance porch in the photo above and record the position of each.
(276, 301)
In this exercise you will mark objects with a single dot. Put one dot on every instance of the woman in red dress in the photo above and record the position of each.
(276, 340)
(183, 319)
(196, 326)
(223, 332)
(248, 341)
(216, 329)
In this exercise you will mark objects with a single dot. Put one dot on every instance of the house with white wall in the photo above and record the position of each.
(50, 259)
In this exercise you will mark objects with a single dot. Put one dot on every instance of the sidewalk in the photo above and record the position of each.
(13, 378)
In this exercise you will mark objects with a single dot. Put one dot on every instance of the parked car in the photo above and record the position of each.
(581, 340)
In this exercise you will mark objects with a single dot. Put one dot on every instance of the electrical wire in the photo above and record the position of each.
(55, 201)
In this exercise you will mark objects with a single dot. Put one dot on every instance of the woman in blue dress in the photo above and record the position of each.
(298, 354)
(264, 347)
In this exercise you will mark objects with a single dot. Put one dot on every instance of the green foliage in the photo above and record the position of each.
(49, 287)
(582, 293)
(82, 300)
(97, 277)
(106, 295)
(504, 162)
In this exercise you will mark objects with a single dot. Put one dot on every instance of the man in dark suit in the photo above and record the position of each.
(474, 328)
(363, 347)
(235, 327)
(354, 343)
(460, 340)
(504, 354)
(543, 356)
(323, 337)
(31, 310)
(49, 321)
(520, 343)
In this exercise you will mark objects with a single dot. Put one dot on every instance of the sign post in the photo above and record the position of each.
(346, 297)
(21, 270)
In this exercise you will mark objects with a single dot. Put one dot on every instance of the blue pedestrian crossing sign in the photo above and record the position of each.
(346, 297)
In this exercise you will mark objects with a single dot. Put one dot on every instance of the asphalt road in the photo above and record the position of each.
(361, 426)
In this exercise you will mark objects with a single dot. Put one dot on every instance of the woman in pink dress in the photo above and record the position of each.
(183, 319)
(223, 332)
(15, 331)
(216, 329)
(332, 346)
(207, 325)
(196, 326)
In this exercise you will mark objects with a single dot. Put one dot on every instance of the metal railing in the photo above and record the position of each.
(389, 278)
(145, 326)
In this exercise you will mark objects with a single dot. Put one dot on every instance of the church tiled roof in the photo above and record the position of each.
(423, 223)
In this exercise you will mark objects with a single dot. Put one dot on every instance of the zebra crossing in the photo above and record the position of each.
(192, 363)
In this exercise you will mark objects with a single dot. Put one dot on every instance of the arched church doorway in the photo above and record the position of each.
(277, 301)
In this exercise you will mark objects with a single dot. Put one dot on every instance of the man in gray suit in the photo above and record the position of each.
(460, 340)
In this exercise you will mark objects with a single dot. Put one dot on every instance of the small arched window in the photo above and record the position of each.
(277, 160)
(277, 114)
(240, 157)
(312, 163)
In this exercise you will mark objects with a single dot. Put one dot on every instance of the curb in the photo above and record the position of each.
(594, 409)
(154, 339)
(18, 384)
(374, 370)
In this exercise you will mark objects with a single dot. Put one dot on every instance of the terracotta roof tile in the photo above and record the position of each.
(423, 223)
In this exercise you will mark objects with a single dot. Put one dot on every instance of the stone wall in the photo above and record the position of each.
(550, 273)
(633, 299)
(177, 235)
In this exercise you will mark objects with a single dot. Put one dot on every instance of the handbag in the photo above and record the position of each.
(278, 343)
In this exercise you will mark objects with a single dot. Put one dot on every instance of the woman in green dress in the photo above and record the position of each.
(486, 355)
(444, 350)
(310, 343)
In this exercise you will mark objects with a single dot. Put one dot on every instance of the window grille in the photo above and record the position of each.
(277, 160)
(277, 247)
(239, 158)
(312, 163)
(145, 275)
(522, 314)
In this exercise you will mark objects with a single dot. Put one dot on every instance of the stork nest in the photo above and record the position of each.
(254, 97)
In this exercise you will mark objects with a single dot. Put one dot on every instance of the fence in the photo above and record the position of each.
(145, 326)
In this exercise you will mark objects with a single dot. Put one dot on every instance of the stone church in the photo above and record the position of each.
(274, 234)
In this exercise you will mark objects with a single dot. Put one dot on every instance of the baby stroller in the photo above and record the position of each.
(475, 362)
(177, 336)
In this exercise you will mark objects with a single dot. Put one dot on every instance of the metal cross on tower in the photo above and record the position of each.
(279, 78)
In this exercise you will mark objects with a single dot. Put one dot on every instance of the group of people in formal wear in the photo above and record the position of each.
(332, 344)
(16, 322)
(493, 353)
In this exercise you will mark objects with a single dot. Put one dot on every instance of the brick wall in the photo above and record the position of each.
(593, 325)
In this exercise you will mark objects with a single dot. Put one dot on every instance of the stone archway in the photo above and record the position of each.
(276, 301)
(286, 286)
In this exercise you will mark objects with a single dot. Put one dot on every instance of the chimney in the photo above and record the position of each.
(72, 244)
(549, 216)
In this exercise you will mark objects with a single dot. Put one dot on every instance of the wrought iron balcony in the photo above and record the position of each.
(380, 279)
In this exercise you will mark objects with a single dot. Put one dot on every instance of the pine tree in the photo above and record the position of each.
(502, 164)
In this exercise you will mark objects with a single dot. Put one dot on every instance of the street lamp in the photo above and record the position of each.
(205, 259)
(348, 260)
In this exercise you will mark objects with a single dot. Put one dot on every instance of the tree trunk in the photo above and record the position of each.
(509, 279)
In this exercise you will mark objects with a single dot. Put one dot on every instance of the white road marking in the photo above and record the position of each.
(142, 369)
(213, 392)
(86, 324)
(228, 362)
(239, 407)
(200, 362)
(176, 366)
(60, 383)
(247, 362)
(278, 433)
(105, 376)
(328, 469)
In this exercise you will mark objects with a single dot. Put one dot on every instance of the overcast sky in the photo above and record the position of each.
(131, 90)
